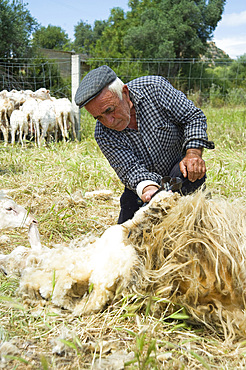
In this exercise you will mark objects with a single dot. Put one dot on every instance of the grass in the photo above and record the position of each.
(51, 182)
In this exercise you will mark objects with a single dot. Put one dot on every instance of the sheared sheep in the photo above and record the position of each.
(29, 108)
(45, 120)
(64, 116)
(18, 122)
(6, 108)
(188, 250)
(41, 94)
(38, 116)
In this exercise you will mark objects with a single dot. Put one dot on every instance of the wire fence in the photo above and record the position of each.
(207, 78)
(32, 74)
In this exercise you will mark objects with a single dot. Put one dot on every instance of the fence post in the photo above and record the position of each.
(75, 79)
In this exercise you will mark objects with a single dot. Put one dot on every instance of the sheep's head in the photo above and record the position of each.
(13, 215)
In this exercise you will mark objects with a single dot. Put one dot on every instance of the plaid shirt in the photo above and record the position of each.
(168, 125)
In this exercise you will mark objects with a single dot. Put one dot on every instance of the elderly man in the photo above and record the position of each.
(146, 129)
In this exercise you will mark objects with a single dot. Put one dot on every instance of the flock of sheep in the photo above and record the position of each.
(189, 251)
(35, 115)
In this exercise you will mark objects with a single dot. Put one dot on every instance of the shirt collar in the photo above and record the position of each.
(135, 96)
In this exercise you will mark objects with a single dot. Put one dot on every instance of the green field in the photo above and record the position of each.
(51, 182)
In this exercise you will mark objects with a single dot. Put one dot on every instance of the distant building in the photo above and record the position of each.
(63, 59)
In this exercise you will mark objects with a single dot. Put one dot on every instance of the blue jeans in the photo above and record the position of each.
(130, 202)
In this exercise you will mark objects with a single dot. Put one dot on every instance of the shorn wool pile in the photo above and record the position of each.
(190, 251)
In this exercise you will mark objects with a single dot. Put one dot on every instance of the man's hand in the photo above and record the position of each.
(192, 165)
(148, 191)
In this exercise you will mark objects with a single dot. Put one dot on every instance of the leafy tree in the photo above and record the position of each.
(160, 29)
(178, 28)
(16, 26)
(111, 42)
(83, 37)
(98, 29)
(86, 36)
(147, 38)
(50, 37)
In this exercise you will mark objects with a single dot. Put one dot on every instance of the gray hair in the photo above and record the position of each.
(116, 87)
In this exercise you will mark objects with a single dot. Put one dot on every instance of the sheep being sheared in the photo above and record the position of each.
(188, 250)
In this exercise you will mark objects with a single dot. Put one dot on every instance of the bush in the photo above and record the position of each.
(236, 96)
(216, 98)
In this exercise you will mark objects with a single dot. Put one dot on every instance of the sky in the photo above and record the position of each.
(230, 34)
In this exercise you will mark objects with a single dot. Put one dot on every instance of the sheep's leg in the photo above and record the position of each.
(60, 124)
(5, 135)
(94, 302)
(31, 282)
(6, 129)
(31, 129)
(37, 133)
(73, 120)
(62, 287)
(25, 135)
(20, 136)
(48, 137)
(65, 120)
(13, 136)
(56, 136)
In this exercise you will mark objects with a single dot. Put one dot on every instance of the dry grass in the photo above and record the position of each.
(51, 182)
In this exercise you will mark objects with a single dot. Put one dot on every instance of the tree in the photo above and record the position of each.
(83, 37)
(178, 28)
(50, 37)
(111, 42)
(86, 36)
(16, 26)
(160, 29)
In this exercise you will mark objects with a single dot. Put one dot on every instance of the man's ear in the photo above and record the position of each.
(125, 91)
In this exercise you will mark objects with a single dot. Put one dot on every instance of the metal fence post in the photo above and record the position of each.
(75, 79)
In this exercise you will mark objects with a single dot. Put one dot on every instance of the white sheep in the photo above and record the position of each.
(3, 94)
(17, 96)
(43, 114)
(6, 108)
(4, 124)
(44, 119)
(29, 108)
(64, 116)
(41, 93)
(190, 251)
(18, 122)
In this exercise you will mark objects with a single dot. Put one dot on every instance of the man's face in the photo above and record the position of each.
(110, 110)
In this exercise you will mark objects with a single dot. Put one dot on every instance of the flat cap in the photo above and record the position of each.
(93, 83)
